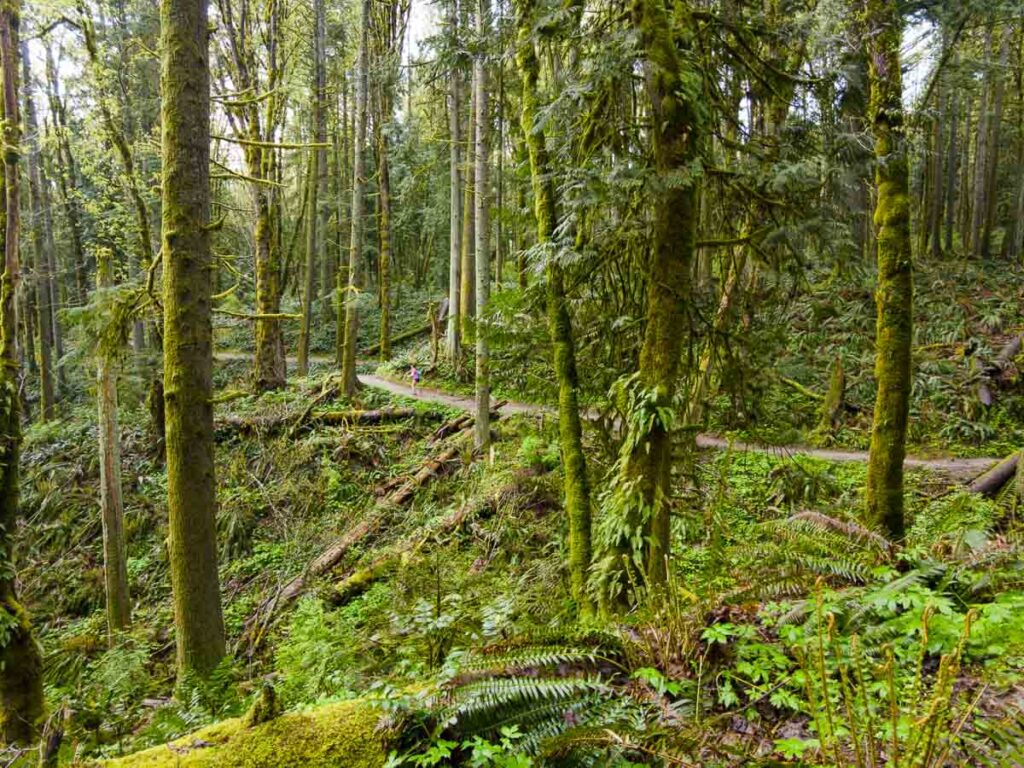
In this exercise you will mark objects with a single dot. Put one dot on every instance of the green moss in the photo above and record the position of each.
(334, 736)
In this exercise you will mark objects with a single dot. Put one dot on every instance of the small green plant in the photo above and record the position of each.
(538, 454)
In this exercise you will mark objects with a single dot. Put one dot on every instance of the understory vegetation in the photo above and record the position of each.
(511, 383)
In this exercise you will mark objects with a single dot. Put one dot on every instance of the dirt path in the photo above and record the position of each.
(958, 469)
(955, 468)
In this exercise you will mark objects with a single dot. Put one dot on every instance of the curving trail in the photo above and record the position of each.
(959, 469)
(955, 468)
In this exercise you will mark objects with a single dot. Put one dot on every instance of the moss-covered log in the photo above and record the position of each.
(188, 333)
(270, 424)
(333, 736)
(894, 292)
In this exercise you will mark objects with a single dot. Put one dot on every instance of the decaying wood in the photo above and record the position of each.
(359, 580)
(993, 480)
(375, 519)
(355, 417)
(991, 372)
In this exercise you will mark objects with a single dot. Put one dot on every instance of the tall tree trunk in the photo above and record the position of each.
(354, 282)
(894, 294)
(43, 250)
(952, 159)
(482, 159)
(188, 334)
(21, 682)
(316, 189)
(455, 186)
(308, 278)
(936, 183)
(980, 205)
(68, 180)
(115, 559)
(467, 291)
(384, 219)
(991, 172)
(570, 431)
(638, 526)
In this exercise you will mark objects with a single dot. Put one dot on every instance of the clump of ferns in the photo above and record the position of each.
(562, 693)
(791, 554)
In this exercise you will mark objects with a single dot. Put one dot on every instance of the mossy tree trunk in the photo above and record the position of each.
(894, 293)
(21, 684)
(574, 463)
(115, 559)
(353, 279)
(481, 203)
(638, 533)
(188, 334)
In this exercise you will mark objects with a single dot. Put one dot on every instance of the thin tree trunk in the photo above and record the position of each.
(455, 186)
(482, 249)
(188, 334)
(67, 177)
(991, 196)
(43, 250)
(384, 220)
(467, 291)
(354, 282)
(574, 462)
(952, 159)
(308, 281)
(894, 294)
(979, 205)
(115, 559)
(21, 682)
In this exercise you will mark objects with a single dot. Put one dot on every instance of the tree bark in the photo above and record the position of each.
(455, 187)
(188, 334)
(21, 683)
(482, 156)
(354, 278)
(894, 292)
(42, 238)
(574, 463)
(639, 527)
(115, 559)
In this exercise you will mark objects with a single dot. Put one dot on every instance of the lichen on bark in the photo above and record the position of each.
(894, 291)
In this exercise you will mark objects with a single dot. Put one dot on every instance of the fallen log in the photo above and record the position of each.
(991, 372)
(460, 422)
(355, 417)
(329, 559)
(363, 578)
(990, 482)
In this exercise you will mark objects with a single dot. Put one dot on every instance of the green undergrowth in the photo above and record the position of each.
(451, 626)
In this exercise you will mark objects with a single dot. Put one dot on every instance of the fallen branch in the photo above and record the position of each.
(990, 373)
(990, 482)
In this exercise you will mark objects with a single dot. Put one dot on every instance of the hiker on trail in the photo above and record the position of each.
(414, 374)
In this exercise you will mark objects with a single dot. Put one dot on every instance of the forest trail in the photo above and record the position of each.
(960, 469)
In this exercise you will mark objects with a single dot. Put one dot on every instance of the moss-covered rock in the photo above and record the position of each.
(334, 736)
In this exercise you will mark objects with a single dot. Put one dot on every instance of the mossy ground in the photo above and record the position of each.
(330, 736)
